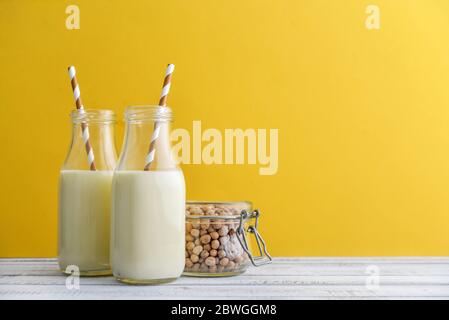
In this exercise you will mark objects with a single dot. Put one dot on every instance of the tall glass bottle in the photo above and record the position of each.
(148, 206)
(85, 194)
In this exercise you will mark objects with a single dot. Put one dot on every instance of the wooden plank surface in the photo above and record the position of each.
(285, 278)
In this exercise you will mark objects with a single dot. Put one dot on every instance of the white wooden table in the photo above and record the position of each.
(285, 278)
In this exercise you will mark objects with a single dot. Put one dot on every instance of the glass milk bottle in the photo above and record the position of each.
(148, 206)
(85, 194)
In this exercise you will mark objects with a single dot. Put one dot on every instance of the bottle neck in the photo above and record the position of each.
(92, 141)
(137, 146)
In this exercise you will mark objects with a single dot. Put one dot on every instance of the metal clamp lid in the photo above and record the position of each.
(263, 257)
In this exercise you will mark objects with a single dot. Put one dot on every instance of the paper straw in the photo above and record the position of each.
(162, 102)
(84, 128)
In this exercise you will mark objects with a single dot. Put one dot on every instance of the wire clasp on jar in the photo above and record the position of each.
(263, 257)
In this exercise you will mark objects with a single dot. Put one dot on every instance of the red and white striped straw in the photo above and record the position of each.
(162, 102)
(84, 128)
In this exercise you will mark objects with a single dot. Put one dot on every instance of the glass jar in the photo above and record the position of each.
(148, 202)
(216, 242)
(85, 194)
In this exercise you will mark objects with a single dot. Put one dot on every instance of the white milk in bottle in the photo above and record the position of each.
(148, 207)
(85, 202)
(149, 224)
(85, 196)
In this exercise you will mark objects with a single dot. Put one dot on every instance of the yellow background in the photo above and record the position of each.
(363, 116)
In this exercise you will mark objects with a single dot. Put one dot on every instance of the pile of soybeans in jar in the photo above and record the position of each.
(211, 244)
